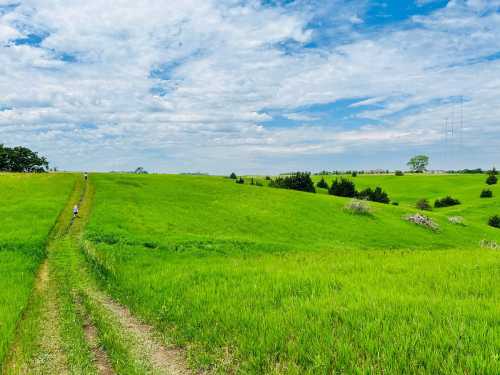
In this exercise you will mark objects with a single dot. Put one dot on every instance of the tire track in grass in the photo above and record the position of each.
(146, 354)
(72, 326)
(163, 360)
(37, 348)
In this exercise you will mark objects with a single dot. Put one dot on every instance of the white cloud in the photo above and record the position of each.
(222, 65)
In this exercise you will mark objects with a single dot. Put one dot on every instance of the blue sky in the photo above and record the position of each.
(251, 86)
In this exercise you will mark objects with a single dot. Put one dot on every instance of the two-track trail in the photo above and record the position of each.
(71, 326)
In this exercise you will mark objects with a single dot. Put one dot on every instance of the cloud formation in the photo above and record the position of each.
(200, 85)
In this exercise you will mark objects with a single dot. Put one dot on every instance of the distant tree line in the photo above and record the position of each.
(296, 181)
(344, 187)
(21, 159)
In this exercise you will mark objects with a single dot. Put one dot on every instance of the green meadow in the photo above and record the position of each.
(255, 280)
(30, 205)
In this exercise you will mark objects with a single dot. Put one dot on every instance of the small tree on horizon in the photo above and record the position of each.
(233, 176)
(418, 163)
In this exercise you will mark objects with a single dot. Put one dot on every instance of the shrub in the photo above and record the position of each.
(424, 205)
(494, 221)
(240, 181)
(377, 195)
(423, 221)
(297, 181)
(486, 193)
(354, 174)
(322, 184)
(343, 188)
(457, 220)
(492, 179)
(493, 172)
(233, 176)
(399, 173)
(358, 207)
(446, 202)
(268, 178)
(395, 203)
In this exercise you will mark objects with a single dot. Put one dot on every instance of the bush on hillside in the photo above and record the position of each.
(322, 184)
(446, 202)
(494, 221)
(457, 220)
(342, 188)
(423, 221)
(492, 179)
(240, 180)
(354, 174)
(358, 207)
(424, 205)
(395, 203)
(300, 181)
(399, 173)
(377, 195)
(233, 176)
(486, 193)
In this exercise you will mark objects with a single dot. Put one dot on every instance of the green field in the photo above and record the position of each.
(244, 279)
(259, 280)
(29, 207)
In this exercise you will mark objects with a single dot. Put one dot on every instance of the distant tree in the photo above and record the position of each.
(296, 181)
(4, 159)
(21, 159)
(240, 181)
(233, 176)
(486, 193)
(268, 178)
(377, 195)
(354, 174)
(494, 221)
(322, 184)
(399, 173)
(446, 202)
(140, 170)
(423, 204)
(418, 163)
(492, 179)
(343, 188)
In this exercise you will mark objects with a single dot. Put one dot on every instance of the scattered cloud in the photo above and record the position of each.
(192, 85)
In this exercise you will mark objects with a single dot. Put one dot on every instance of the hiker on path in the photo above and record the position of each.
(86, 176)
(75, 210)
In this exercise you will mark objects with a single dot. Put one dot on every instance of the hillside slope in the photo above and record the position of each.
(258, 280)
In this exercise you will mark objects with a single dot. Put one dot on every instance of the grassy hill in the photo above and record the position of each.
(29, 207)
(259, 280)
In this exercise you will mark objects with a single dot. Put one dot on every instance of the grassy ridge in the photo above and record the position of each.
(30, 206)
(263, 280)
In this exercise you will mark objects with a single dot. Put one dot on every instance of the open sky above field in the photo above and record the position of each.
(253, 86)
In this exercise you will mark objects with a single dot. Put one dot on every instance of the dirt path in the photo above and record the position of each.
(72, 326)
(142, 343)
(162, 359)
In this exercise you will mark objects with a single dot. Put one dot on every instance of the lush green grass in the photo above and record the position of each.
(29, 208)
(264, 280)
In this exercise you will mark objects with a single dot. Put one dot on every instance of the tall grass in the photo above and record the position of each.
(258, 280)
(29, 207)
